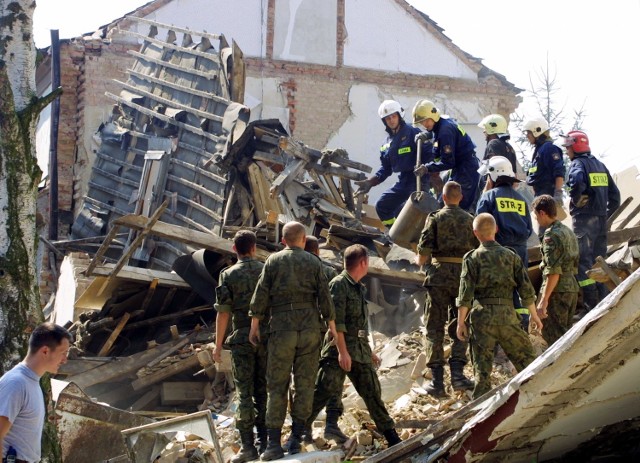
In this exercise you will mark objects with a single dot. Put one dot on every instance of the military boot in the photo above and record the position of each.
(248, 451)
(331, 429)
(459, 381)
(261, 438)
(307, 435)
(294, 442)
(274, 449)
(392, 437)
(436, 386)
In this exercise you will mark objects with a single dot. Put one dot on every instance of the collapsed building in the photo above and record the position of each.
(180, 166)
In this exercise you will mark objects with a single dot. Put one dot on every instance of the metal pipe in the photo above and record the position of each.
(53, 137)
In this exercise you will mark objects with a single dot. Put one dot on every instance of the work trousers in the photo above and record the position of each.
(439, 307)
(591, 232)
(297, 352)
(249, 365)
(559, 319)
(330, 381)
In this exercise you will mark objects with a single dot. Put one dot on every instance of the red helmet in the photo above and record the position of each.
(577, 140)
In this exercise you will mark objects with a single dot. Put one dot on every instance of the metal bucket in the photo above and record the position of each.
(405, 231)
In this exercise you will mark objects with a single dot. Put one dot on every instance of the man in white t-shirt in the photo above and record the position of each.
(22, 409)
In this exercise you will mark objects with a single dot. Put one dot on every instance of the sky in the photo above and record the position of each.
(590, 47)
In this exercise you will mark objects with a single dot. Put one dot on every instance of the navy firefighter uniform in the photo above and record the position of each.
(594, 197)
(398, 155)
(454, 150)
(546, 166)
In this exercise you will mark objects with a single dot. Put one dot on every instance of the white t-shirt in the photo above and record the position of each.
(21, 401)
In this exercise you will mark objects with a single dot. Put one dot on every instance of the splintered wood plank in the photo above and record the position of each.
(150, 292)
(337, 197)
(114, 335)
(260, 193)
(290, 172)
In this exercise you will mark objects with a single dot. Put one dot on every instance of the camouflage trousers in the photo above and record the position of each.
(330, 382)
(441, 302)
(297, 352)
(484, 337)
(249, 365)
(559, 316)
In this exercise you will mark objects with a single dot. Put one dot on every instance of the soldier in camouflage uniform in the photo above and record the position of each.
(560, 257)
(490, 273)
(293, 290)
(446, 237)
(249, 363)
(350, 354)
(334, 407)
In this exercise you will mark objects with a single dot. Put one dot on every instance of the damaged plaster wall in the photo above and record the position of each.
(394, 41)
(305, 31)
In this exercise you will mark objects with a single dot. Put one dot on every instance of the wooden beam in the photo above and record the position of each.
(628, 218)
(312, 155)
(168, 371)
(117, 368)
(150, 292)
(136, 242)
(114, 335)
(143, 275)
(147, 399)
(618, 211)
(185, 235)
(610, 273)
(101, 251)
(170, 316)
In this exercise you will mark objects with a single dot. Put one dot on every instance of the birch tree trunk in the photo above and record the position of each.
(19, 176)
(20, 309)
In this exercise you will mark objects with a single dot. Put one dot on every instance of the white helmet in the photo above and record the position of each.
(389, 107)
(493, 124)
(497, 166)
(536, 126)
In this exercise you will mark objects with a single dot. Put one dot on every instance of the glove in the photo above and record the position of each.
(420, 170)
(424, 136)
(365, 185)
(557, 196)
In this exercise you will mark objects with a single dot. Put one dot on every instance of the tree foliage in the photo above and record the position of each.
(541, 98)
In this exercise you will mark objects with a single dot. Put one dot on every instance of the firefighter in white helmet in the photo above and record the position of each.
(397, 154)
(453, 150)
(494, 127)
(511, 212)
(546, 172)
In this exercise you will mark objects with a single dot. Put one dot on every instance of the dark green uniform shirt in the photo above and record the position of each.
(448, 233)
(560, 255)
(352, 318)
(492, 272)
(233, 294)
(294, 291)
